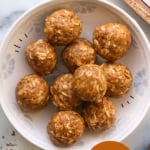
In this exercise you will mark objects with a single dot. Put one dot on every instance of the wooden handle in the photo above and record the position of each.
(141, 8)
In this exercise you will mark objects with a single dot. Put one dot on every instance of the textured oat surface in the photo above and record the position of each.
(41, 57)
(61, 93)
(62, 27)
(65, 127)
(119, 79)
(78, 53)
(32, 93)
(111, 41)
(99, 116)
(89, 82)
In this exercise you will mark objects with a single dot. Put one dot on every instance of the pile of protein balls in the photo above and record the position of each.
(89, 84)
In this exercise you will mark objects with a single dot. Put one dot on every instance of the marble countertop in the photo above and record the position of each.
(10, 139)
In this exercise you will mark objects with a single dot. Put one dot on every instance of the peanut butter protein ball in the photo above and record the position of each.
(89, 82)
(65, 127)
(119, 79)
(112, 40)
(78, 53)
(99, 116)
(61, 93)
(41, 56)
(62, 27)
(32, 93)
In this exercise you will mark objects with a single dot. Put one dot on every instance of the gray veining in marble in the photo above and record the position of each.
(8, 20)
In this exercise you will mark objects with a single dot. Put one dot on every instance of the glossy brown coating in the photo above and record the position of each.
(78, 53)
(99, 116)
(41, 56)
(112, 40)
(89, 82)
(62, 27)
(65, 127)
(32, 93)
(61, 93)
(119, 79)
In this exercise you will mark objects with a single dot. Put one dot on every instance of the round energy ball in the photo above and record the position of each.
(78, 53)
(62, 27)
(61, 93)
(89, 82)
(65, 127)
(32, 93)
(112, 40)
(41, 56)
(99, 116)
(119, 79)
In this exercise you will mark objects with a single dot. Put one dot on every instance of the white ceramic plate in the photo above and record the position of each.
(130, 109)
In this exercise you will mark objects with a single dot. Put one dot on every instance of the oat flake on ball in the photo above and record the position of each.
(32, 93)
(89, 82)
(41, 56)
(112, 40)
(62, 27)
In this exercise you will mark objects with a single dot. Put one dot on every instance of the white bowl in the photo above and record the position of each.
(130, 109)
